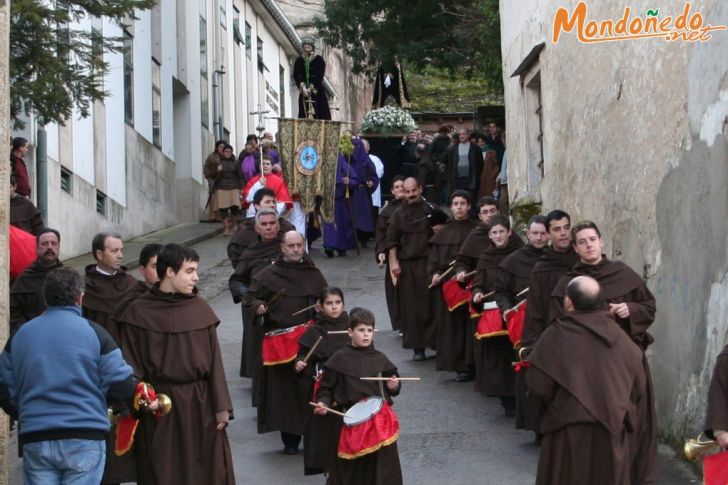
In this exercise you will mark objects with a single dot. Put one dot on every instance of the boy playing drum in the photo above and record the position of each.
(367, 453)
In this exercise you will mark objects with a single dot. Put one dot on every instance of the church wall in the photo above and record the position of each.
(635, 137)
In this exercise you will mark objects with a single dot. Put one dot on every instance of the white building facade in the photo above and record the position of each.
(190, 72)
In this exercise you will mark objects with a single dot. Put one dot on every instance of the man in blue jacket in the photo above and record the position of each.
(56, 374)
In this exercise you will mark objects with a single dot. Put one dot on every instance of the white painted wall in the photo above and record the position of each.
(52, 140)
(168, 69)
(115, 146)
(83, 146)
(143, 75)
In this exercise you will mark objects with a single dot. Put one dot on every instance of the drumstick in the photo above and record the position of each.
(335, 332)
(441, 276)
(303, 310)
(313, 347)
(275, 297)
(387, 378)
(328, 409)
(468, 275)
(525, 290)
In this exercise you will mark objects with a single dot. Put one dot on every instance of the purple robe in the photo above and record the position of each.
(249, 165)
(360, 170)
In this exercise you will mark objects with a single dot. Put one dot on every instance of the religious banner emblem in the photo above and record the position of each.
(308, 158)
(309, 153)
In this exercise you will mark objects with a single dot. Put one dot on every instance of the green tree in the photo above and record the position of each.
(55, 66)
(461, 36)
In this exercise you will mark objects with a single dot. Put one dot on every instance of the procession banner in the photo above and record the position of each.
(309, 153)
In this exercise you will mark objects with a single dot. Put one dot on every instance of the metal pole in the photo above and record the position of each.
(41, 168)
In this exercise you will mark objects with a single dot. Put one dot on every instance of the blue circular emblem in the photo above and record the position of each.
(308, 158)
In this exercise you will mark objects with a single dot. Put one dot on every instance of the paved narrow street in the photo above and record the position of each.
(449, 433)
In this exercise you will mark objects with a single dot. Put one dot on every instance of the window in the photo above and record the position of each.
(236, 26)
(282, 91)
(534, 128)
(156, 104)
(66, 180)
(248, 41)
(261, 66)
(101, 203)
(223, 15)
(204, 95)
(128, 52)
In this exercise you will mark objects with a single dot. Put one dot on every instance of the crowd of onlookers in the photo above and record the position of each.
(458, 159)
(450, 159)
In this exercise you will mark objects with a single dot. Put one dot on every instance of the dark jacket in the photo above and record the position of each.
(475, 157)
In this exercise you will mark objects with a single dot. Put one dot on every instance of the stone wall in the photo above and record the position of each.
(635, 137)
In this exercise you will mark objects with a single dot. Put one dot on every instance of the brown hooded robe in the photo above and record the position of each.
(494, 356)
(410, 232)
(280, 398)
(586, 380)
(380, 246)
(620, 284)
(513, 277)
(320, 433)
(341, 385)
(171, 342)
(453, 339)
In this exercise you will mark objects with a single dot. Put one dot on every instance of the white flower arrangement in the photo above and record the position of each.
(389, 120)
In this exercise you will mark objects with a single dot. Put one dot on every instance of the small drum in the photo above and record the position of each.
(363, 410)
(490, 323)
(368, 426)
(281, 346)
(515, 319)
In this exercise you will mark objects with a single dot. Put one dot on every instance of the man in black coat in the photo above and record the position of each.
(464, 162)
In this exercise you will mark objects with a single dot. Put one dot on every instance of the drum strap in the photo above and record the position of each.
(381, 386)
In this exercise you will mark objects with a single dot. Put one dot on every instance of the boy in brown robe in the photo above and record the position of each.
(494, 355)
(585, 378)
(452, 326)
(626, 296)
(554, 263)
(168, 335)
(511, 280)
(380, 249)
(342, 388)
(277, 292)
(478, 239)
(321, 433)
(408, 236)
(716, 418)
(26, 294)
(556, 260)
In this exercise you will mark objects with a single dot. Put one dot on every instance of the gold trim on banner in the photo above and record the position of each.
(295, 132)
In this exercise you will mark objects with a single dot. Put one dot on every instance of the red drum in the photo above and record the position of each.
(281, 346)
(715, 469)
(515, 318)
(454, 294)
(490, 323)
(474, 312)
(368, 426)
